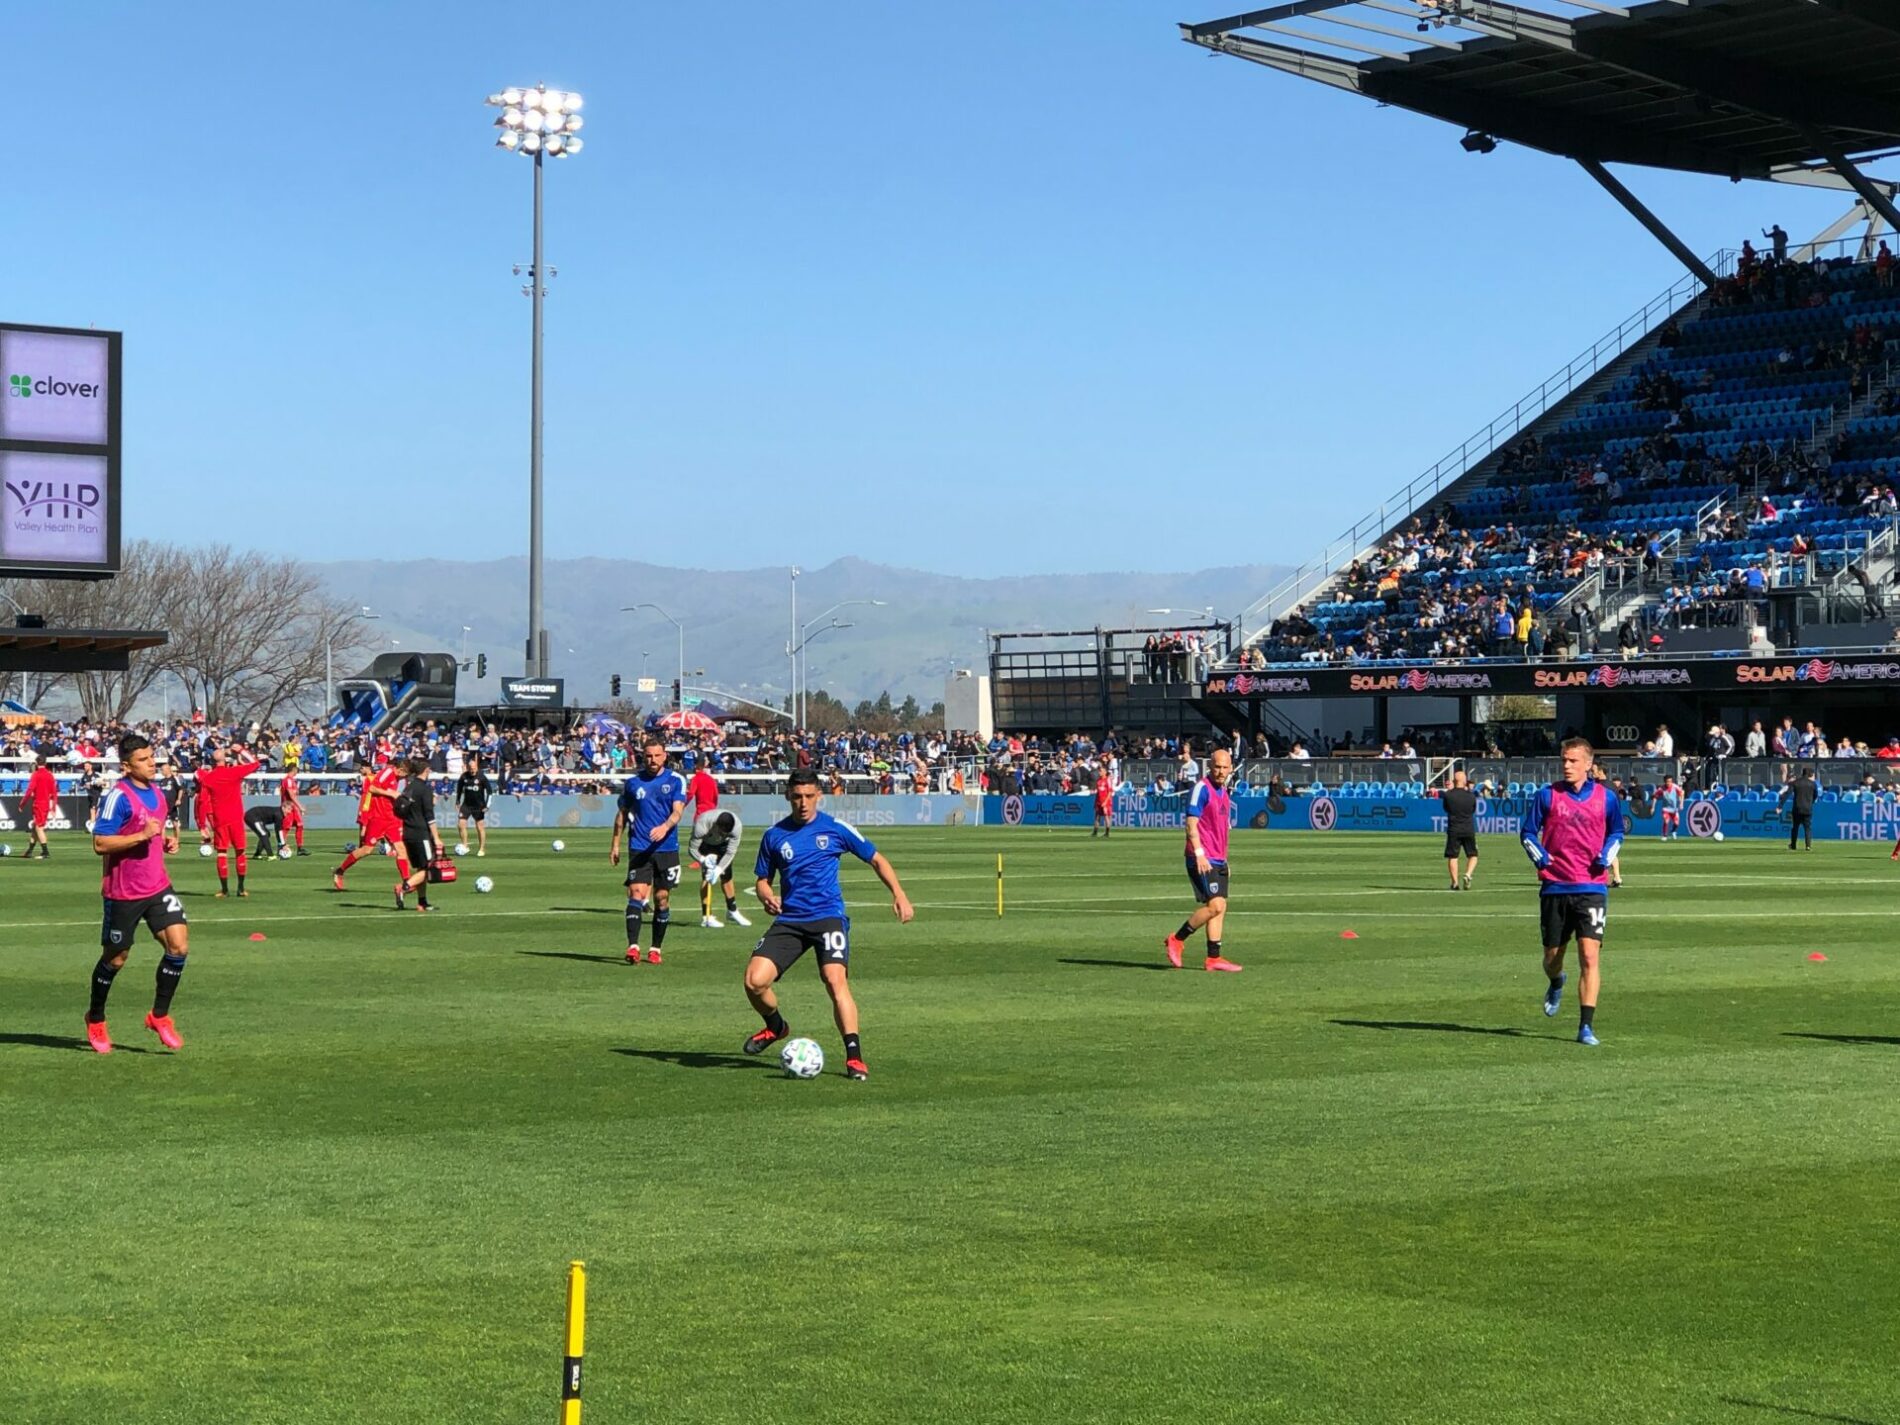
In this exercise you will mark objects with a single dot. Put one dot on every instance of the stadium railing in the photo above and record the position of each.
(1307, 579)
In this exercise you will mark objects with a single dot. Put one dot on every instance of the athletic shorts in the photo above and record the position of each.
(1207, 887)
(382, 829)
(418, 850)
(40, 815)
(787, 940)
(1577, 915)
(225, 837)
(121, 921)
(292, 818)
(1456, 841)
(472, 813)
(653, 868)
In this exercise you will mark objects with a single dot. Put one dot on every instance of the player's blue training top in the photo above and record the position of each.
(806, 861)
(1670, 798)
(648, 802)
(1572, 836)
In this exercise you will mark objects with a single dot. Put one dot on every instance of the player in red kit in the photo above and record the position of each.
(42, 797)
(221, 790)
(379, 822)
(292, 809)
(1104, 801)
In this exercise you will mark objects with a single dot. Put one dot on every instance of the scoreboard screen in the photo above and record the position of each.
(59, 452)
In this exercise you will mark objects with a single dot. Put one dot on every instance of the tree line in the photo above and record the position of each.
(248, 633)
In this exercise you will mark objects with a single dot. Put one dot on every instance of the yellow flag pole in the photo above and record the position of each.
(999, 883)
(576, 1333)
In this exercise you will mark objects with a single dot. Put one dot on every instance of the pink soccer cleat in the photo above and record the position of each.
(653, 957)
(1173, 947)
(97, 1037)
(1221, 962)
(167, 1032)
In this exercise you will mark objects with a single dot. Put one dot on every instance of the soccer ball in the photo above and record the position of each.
(461, 848)
(1717, 836)
(204, 849)
(560, 846)
(484, 885)
(5, 849)
(803, 1059)
(284, 853)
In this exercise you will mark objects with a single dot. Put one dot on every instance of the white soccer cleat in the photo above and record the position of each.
(738, 918)
(711, 922)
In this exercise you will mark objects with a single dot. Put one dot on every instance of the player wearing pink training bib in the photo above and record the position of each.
(1208, 814)
(1572, 833)
(133, 833)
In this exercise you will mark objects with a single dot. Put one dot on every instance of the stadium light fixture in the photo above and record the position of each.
(1477, 141)
(680, 627)
(539, 122)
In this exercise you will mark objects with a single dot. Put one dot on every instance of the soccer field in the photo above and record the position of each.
(1366, 1180)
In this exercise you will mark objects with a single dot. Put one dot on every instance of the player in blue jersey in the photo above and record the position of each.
(803, 851)
(651, 804)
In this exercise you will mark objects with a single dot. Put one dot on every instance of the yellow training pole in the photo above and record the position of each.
(576, 1331)
(999, 883)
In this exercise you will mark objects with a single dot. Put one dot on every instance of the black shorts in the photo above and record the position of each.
(1207, 887)
(120, 923)
(1581, 915)
(472, 813)
(419, 850)
(653, 868)
(1456, 841)
(787, 940)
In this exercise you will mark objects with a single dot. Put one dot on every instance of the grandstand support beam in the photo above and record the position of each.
(1870, 193)
(1657, 228)
(1856, 215)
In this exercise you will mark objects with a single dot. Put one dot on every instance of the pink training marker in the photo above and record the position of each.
(257, 935)
(1348, 935)
(1817, 955)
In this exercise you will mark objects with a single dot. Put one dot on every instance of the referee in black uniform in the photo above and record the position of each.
(1461, 829)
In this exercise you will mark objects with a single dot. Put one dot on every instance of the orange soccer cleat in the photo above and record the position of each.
(1221, 962)
(1173, 947)
(653, 957)
(97, 1037)
(167, 1032)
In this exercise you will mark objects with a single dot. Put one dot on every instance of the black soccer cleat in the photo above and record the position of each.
(764, 1040)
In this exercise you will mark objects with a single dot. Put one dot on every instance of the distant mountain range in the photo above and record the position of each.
(737, 622)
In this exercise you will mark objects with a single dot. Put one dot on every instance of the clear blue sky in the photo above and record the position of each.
(997, 286)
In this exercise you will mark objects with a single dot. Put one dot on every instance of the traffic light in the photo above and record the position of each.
(481, 665)
(676, 692)
(615, 685)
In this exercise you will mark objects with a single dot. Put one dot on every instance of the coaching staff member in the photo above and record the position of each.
(1800, 795)
(1461, 829)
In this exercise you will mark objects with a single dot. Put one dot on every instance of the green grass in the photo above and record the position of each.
(1076, 1188)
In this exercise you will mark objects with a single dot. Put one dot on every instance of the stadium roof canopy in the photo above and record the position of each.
(1800, 91)
(73, 650)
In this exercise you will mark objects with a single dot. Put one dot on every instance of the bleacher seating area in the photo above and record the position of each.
(1747, 391)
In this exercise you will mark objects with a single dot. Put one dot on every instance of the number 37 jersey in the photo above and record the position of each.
(805, 860)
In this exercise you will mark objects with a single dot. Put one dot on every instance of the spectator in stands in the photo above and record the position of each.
(1665, 744)
(1756, 743)
(1883, 265)
(1779, 238)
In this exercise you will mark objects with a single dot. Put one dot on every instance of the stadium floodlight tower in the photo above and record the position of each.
(541, 123)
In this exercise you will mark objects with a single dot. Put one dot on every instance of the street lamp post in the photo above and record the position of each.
(804, 637)
(791, 655)
(537, 122)
(680, 687)
(329, 674)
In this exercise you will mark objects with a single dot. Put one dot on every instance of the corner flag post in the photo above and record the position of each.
(576, 1331)
(999, 884)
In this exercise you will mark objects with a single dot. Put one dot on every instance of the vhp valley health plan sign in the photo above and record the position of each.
(59, 451)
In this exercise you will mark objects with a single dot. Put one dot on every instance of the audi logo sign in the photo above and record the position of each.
(1621, 732)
